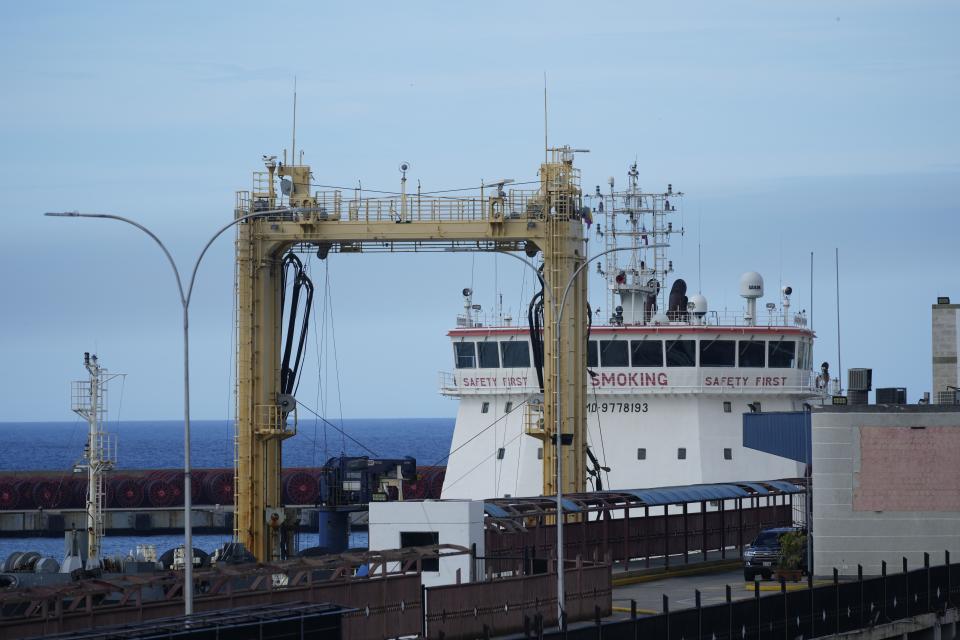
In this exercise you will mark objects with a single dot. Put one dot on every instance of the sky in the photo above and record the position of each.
(793, 127)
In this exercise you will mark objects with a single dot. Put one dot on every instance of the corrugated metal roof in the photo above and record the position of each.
(495, 510)
(691, 493)
(759, 488)
(785, 434)
(784, 486)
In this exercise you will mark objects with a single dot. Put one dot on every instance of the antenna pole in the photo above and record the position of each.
(545, 146)
(839, 362)
(811, 291)
(293, 145)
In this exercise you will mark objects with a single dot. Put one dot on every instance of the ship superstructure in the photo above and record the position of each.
(668, 378)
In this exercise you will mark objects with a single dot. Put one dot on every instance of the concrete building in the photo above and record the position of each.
(394, 525)
(946, 344)
(886, 484)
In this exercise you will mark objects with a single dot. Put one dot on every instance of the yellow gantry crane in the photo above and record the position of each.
(546, 220)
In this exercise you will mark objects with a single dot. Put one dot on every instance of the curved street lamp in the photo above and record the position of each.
(185, 296)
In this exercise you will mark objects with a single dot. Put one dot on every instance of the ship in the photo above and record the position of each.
(668, 377)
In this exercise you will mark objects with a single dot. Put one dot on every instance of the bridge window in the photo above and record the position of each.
(485, 407)
(782, 353)
(681, 353)
(465, 355)
(646, 353)
(613, 353)
(751, 353)
(592, 360)
(803, 361)
(515, 354)
(682, 453)
(502, 451)
(642, 453)
(488, 354)
(718, 353)
(727, 453)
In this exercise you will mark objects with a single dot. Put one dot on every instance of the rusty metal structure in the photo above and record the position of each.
(385, 599)
(271, 224)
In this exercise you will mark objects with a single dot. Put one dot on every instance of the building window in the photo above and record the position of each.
(718, 353)
(727, 453)
(727, 407)
(592, 359)
(488, 354)
(646, 353)
(507, 408)
(751, 353)
(642, 453)
(515, 354)
(501, 452)
(465, 355)
(422, 539)
(539, 453)
(614, 353)
(681, 353)
(485, 407)
(682, 453)
(782, 353)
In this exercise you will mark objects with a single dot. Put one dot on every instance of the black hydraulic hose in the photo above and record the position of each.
(534, 314)
(302, 285)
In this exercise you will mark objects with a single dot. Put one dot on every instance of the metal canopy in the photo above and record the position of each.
(505, 512)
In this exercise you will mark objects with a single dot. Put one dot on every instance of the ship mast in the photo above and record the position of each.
(90, 403)
(636, 283)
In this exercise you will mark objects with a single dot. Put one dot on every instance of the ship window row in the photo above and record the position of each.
(783, 354)
(489, 355)
(780, 354)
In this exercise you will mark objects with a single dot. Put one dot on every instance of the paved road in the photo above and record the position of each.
(680, 590)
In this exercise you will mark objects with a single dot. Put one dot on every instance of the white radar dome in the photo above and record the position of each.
(698, 305)
(751, 285)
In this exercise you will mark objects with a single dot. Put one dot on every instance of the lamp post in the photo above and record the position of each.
(185, 296)
(558, 315)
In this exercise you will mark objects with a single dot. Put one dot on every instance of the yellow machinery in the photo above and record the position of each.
(546, 220)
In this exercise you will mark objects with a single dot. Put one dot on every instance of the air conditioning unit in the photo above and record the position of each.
(892, 395)
(859, 379)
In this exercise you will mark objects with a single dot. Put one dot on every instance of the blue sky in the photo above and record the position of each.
(792, 127)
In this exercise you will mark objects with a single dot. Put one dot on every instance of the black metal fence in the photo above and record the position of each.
(817, 611)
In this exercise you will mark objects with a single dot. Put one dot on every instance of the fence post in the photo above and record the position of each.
(686, 536)
(883, 581)
(786, 612)
(423, 610)
(946, 559)
(836, 600)
(666, 616)
(703, 525)
(626, 538)
(473, 562)
(729, 613)
(926, 567)
(756, 599)
(696, 595)
(860, 580)
(633, 609)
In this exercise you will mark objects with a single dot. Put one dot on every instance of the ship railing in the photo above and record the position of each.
(351, 205)
(727, 318)
(448, 383)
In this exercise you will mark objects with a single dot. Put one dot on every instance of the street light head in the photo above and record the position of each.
(63, 214)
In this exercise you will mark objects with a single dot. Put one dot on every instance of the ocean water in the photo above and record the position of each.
(159, 444)
(56, 446)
